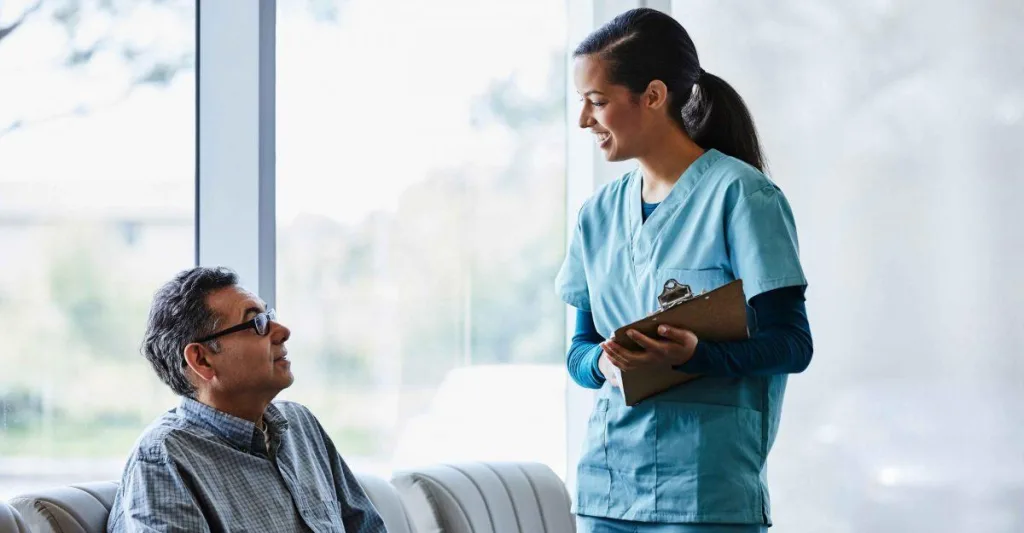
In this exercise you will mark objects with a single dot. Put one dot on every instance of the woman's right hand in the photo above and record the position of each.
(608, 370)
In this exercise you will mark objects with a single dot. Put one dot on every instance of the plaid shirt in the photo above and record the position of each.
(198, 469)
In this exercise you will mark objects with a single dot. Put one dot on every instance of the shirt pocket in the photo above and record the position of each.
(593, 480)
(711, 454)
(595, 449)
(702, 280)
(699, 281)
(321, 512)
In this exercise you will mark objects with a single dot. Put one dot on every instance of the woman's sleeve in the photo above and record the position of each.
(762, 243)
(583, 356)
(571, 282)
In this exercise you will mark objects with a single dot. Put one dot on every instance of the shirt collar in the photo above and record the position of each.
(686, 183)
(239, 432)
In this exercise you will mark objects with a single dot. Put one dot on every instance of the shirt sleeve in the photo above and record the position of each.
(763, 243)
(571, 282)
(154, 497)
(583, 356)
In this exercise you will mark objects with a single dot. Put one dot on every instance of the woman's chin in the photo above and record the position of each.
(613, 157)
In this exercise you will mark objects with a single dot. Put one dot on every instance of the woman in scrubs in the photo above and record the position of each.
(698, 210)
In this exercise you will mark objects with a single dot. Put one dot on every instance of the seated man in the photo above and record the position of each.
(227, 459)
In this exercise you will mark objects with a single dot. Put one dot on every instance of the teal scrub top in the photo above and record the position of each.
(695, 453)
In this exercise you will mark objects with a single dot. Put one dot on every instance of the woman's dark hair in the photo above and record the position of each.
(643, 45)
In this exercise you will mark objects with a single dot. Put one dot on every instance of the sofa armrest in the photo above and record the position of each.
(11, 521)
(82, 508)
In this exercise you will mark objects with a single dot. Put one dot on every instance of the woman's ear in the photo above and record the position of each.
(656, 95)
(197, 357)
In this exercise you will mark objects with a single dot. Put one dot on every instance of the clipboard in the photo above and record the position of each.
(719, 315)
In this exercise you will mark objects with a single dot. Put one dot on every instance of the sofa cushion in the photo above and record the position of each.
(11, 521)
(486, 498)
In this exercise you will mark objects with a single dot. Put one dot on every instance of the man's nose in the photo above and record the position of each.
(279, 332)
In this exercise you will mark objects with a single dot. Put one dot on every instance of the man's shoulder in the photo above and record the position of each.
(288, 407)
(165, 437)
(303, 425)
(296, 413)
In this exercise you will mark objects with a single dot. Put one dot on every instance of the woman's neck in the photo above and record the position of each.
(665, 161)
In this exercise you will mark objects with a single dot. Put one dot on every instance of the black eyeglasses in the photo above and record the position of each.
(260, 323)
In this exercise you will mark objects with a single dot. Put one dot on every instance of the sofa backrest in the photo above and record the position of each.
(486, 498)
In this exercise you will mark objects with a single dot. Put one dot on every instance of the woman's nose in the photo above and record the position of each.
(586, 120)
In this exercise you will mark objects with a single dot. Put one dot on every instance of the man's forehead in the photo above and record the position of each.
(233, 301)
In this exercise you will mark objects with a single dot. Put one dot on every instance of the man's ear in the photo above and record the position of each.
(656, 95)
(197, 357)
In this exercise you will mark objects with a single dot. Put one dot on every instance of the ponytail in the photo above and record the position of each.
(715, 116)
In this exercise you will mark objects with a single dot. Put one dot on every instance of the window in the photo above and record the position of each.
(96, 211)
(421, 222)
(894, 129)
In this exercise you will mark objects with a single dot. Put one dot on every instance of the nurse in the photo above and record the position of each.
(699, 210)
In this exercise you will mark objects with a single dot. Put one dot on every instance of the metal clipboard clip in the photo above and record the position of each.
(673, 294)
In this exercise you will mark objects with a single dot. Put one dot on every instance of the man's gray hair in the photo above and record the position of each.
(179, 315)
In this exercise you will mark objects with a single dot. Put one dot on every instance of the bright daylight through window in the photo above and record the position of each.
(421, 212)
(97, 143)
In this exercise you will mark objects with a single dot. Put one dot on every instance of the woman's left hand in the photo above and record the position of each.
(676, 348)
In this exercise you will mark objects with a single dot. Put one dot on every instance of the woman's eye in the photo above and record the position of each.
(598, 104)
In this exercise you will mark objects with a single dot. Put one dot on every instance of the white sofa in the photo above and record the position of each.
(450, 498)
(11, 521)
